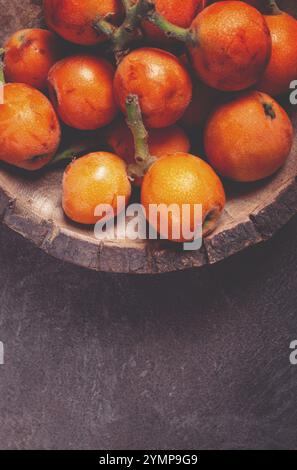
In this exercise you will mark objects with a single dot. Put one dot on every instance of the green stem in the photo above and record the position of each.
(135, 122)
(171, 30)
(143, 157)
(127, 4)
(105, 27)
(272, 7)
(2, 77)
(122, 36)
(69, 154)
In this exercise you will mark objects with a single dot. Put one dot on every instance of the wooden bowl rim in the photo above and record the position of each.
(32, 207)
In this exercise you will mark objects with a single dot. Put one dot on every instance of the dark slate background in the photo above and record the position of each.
(191, 360)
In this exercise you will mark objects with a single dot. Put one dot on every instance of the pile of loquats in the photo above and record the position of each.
(140, 81)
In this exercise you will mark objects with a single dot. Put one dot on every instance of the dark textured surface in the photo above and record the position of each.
(191, 360)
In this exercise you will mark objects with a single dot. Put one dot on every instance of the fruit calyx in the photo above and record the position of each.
(143, 158)
(269, 110)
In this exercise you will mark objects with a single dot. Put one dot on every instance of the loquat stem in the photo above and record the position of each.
(2, 77)
(123, 35)
(272, 7)
(143, 157)
(127, 4)
(105, 27)
(171, 30)
(135, 123)
(69, 154)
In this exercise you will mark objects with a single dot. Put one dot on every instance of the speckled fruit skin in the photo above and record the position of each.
(233, 45)
(253, 3)
(97, 178)
(81, 89)
(29, 56)
(245, 143)
(29, 128)
(282, 68)
(180, 179)
(161, 82)
(179, 13)
(73, 19)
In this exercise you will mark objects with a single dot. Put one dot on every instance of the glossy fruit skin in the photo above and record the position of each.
(97, 178)
(29, 55)
(282, 67)
(73, 19)
(245, 143)
(161, 141)
(179, 13)
(253, 3)
(233, 45)
(81, 89)
(160, 80)
(29, 127)
(180, 179)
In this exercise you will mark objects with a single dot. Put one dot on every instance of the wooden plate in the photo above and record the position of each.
(31, 204)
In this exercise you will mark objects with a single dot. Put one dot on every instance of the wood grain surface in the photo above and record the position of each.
(31, 205)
